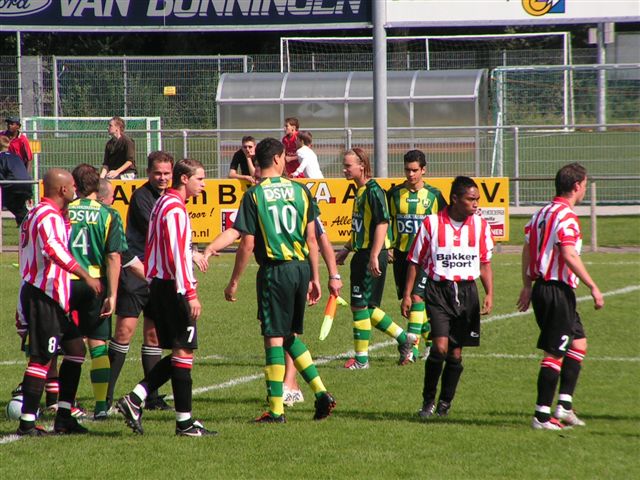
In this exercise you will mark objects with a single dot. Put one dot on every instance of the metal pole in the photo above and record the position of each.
(594, 218)
(380, 89)
(349, 138)
(56, 105)
(19, 66)
(602, 81)
(516, 165)
(184, 144)
(124, 79)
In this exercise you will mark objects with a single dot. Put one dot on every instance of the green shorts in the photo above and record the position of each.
(83, 300)
(282, 297)
(400, 266)
(367, 290)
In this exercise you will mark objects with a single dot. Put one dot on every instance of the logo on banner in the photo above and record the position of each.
(15, 8)
(537, 8)
(228, 217)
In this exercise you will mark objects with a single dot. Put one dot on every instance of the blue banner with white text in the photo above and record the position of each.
(181, 15)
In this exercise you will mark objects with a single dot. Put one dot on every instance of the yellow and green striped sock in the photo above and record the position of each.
(416, 319)
(304, 364)
(361, 334)
(100, 373)
(274, 375)
(383, 322)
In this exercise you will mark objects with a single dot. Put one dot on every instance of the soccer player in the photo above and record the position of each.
(119, 153)
(133, 292)
(97, 239)
(454, 248)
(276, 219)
(369, 241)
(173, 301)
(45, 267)
(551, 259)
(291, 390)
(409, 204)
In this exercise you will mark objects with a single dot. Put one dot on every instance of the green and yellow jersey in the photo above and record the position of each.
(276, 211)
(369, 210)
(408, 209)
(96, 231)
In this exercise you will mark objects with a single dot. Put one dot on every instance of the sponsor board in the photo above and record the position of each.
(215, 209)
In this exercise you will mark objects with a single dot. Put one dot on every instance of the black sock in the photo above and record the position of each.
(547, 383)
(69, 379)
(159, 374)
(117, 355)
(450, 377)
(432, 371)
(32, 388)
(150, 357)
(569, 374)
(181, 383)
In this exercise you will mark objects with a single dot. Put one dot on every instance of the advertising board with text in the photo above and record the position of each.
(215, 210)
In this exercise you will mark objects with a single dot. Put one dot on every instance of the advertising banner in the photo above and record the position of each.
(180, 15)
(441, 13)
(215, 210)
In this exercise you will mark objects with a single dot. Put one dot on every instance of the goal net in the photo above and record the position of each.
(304, 54)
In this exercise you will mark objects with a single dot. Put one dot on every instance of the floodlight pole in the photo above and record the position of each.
(380, 89)
(19, 55)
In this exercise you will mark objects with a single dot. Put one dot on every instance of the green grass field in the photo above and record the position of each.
(374, 432)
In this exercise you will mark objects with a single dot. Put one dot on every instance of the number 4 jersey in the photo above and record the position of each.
(96, 230)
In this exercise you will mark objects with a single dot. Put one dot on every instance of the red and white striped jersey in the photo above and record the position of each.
(45, 260)
(552, 226)
(168, 251)
(447, 252)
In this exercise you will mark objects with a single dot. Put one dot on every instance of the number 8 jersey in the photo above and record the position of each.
(276, 211)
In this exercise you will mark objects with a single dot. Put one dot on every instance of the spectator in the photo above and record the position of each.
(119, 153)
(11, 168)
(19, 143)
(309, 166)
(290, 141)
(242, 167)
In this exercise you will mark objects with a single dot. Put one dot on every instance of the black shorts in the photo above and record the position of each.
(282, 297)
(87, 305)
(171, 315)
(454, 312)
(133, 294)
(400, 267)
(554, 304)
(48, 324)
(367, 290)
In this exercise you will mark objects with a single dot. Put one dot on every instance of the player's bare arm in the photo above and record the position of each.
(379, 237)
(412, 274)
(524, 300)
(195, 308)
(245, 250)
(113, 274)
(573, 260)
(486, 277)
(329, 256)
(315, 292)
(221, 242)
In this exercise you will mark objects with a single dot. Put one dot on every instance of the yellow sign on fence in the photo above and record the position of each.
(215, 210)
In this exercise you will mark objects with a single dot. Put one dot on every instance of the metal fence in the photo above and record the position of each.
(511, 151)
(135, 86)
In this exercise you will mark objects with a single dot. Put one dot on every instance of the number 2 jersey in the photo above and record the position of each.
(408, 209)
(551, 227)
(96, 231)
(276, 212)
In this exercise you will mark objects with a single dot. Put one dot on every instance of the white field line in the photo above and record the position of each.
(377, 346)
